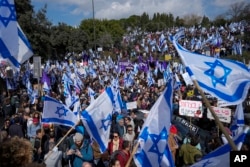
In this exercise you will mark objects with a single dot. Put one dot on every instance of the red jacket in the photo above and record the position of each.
(123, 158)
(110, 146)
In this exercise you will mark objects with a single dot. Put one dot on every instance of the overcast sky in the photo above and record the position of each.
(73, 11)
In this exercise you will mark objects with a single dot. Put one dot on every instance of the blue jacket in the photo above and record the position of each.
(87, 154)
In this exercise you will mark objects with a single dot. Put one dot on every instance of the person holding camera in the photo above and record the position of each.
(81, 151)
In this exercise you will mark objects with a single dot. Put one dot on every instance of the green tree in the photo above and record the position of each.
(40, 36)
(236, 11)
(205, 21)
(65, 38)
(179, 21)
(219, 20)
(24, 11)
(107, 32)
(36, 27)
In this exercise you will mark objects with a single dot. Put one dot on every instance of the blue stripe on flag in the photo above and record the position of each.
(167, 93)
(110, 94)
(189, 71)
(94, 130)
(5, 53)
(225, 148)
(143, 159)
(242, 122)
(47, 98)
(24, 39)
(230, 98)
(56, 120)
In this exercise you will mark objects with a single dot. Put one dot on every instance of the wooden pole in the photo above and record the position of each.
(132, 154)
(216, 119)
(70, 130)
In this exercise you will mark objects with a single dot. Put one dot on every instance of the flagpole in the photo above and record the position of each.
(216, 119)
(132, 154)
(69, 131)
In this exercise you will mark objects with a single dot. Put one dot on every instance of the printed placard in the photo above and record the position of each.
(224, 114)
(187, 79)
(131, 105)
(221, 103)
(160, 82)
(189, 125)
(168, 57)
(190, 108)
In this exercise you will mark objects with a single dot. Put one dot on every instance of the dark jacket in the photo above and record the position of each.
(16, 130)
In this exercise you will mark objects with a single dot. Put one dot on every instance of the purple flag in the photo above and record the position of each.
(45, 78)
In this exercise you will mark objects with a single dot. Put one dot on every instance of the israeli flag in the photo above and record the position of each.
(97, 118)
(177, 83)
(238, 120)
(8, 32)
(14, 45)
(153, 147)
(220, 156)
(179, 35)
(33, 96)
(29, 87)
(150, 79)
(25, 50)
(57, 113)
(225, 79)
(71, 100)
(117, 96)
(77, 107)
(91, 94)
(10, 84)
(46, 88)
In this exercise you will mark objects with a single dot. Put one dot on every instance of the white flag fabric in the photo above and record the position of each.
(57, 113)
(153, 147)
(25, 49)
(225, 79)
(221, 156)
(97, 118)
(238, 120)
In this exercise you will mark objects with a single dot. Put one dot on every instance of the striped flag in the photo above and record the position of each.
(153, 147)
(220, 156)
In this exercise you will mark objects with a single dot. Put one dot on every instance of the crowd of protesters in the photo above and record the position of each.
(25, 141)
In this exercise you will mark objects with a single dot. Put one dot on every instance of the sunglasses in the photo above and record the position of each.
(130, 130)
(115, 136)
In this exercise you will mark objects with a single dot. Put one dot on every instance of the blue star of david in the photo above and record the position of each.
(222, 80)
(106, 122)
(206, 163)
(155, 139)
(12, 15)
(61, 111)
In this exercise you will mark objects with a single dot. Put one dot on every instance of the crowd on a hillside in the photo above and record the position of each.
(25, 141)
